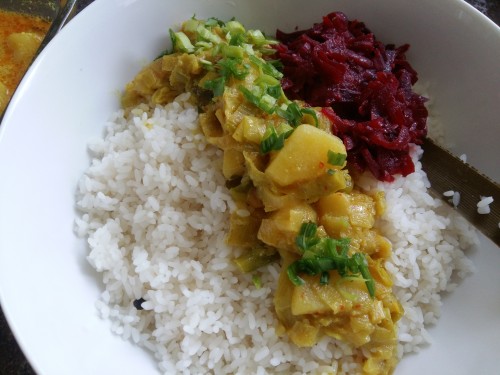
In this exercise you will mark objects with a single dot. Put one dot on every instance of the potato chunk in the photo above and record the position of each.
(304, 156)
(281, 227)
(4, 96)
(23, 45)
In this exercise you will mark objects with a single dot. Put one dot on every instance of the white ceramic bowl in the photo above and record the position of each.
(48, 290)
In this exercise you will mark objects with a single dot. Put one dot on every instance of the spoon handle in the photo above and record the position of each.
(447, 172)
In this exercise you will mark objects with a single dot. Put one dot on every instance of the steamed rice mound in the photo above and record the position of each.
(155, 210)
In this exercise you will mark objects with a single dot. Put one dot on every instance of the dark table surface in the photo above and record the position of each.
(12, 360)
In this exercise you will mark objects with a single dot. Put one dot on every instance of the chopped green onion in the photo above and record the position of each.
(217, 85)
(191, 25)
(232, 51)
(237, 39)
(248, 49)
(320, 255)
(335, 158)
(307, 236)
(232, 67)
(212, 22)
(163, 53)
(365, 272)
(201, 44)
(277, 64)
(266, 67)
(173, 39)
(256, 257)
(207, 35)
(257, 38)
(257, 281)
(311, 112)
(275, 91)
(292, 114)
(234, 27)
(267, 103)
(250, 96)
(325, 278)
(273, 139)
(267, 51)
(263, 101)
(206, 64)
(180, 42)
(266, 80)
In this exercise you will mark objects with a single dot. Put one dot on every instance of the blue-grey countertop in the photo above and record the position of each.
(12, 360)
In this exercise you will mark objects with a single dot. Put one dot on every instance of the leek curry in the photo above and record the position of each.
(296, 201)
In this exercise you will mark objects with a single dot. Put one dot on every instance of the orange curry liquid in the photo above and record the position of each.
(12, 67)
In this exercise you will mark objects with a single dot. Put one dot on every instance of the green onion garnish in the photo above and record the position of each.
(335, 158)
(323, 254)
(257, 281)
(274, 138)
(264, 101)
(312, 112)
(231, 66)
(292, 114)
(217, 85)
(272, 141)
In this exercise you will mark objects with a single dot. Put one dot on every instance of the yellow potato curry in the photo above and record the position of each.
(20, 37)
(296, 200)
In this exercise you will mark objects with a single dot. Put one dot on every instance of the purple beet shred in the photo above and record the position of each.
(365, 88)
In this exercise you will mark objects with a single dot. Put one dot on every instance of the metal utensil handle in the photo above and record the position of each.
(447, 172)
(63, 16)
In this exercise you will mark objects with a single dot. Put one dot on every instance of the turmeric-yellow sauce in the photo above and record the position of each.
(20, 37)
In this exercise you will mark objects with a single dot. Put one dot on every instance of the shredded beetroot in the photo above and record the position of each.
(365, 87)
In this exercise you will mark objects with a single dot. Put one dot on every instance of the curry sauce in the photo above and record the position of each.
(20, 37)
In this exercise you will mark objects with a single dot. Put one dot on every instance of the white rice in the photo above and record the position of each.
(483, 206)
(155, 211)
(454, 197)
(429, 239)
